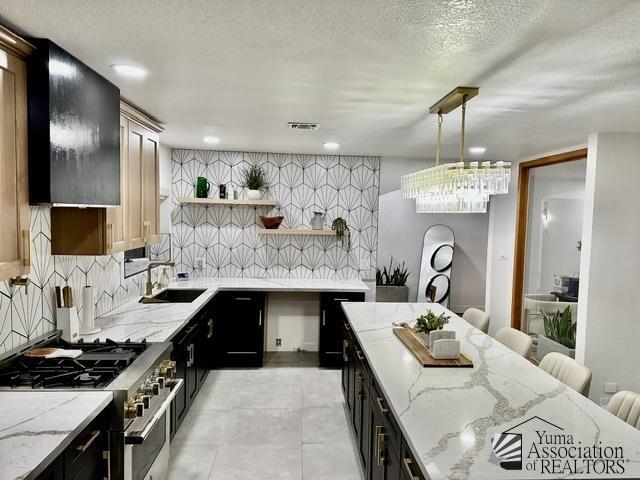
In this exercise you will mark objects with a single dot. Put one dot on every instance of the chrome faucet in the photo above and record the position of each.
(151, 266)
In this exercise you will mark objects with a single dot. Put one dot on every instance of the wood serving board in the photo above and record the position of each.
(408, 336)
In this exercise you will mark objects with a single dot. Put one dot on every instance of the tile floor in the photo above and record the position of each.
(285, 421)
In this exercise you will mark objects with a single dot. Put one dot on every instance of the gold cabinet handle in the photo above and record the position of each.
(210, 324)
(145, 229)
(26, 248)
(88, 443)
(347, 327)
(190, 360)
(383, 409)
(359, 354)
(345, 345)
(360, 380)
(109, 237)
(379, 445)
(407, 468)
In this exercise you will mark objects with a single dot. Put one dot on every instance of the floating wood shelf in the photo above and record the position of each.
(228, 201)
(294, 231)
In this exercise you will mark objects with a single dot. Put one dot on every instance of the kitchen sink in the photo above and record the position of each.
(174, 295)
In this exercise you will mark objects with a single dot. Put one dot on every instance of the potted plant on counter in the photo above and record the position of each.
(391, 284)
(255, 181)
(559, 334)
(427, 323)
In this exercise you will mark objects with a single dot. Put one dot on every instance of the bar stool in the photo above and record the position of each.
(477, 318)
(570, 372)
(516, 340)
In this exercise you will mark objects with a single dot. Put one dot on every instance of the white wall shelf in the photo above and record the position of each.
(227, 201)
(294, 231)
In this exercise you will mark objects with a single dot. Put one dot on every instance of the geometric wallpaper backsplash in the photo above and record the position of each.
(26, 315)
(226, 238)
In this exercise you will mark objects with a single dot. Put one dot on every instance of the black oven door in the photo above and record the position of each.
(144, 455)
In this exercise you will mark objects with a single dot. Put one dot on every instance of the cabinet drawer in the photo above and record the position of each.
(410, 469)
(85, 452)
(379, 402)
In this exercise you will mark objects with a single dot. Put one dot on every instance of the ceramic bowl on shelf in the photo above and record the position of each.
(271, 222)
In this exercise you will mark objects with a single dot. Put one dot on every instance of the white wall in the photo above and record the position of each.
(401, 232)
(294, 318)
(541, 190)
(559, 253)
(500, 247)
(608, 326)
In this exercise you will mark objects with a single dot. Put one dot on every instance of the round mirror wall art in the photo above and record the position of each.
(437, 260)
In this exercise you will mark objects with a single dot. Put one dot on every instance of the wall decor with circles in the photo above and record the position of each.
(435, 268)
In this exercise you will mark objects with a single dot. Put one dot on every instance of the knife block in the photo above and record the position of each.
(67, 320)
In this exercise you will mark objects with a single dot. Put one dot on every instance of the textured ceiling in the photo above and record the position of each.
(549, 72)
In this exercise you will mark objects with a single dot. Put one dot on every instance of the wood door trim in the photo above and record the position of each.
(519, 255)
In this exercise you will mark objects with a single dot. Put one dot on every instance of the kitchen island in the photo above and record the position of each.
(36, 426)
(448, 416)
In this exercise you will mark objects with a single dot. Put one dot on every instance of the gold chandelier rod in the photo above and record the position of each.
(464, 113)
(439, 139)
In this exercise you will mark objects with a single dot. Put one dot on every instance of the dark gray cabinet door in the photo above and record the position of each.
(239, 329)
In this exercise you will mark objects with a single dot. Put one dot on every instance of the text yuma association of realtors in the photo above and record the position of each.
(554, 453)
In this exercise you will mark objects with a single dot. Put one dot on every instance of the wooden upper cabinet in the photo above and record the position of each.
(103, 231)
(151, 188)
(135, 206)
(116, 217)
(15, 236)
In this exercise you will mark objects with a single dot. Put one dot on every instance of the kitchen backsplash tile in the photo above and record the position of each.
(226, 237)
(29, 314)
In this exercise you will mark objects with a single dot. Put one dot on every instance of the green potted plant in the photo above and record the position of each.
(391, 283)
(255, 181)
(427, 323)
(559, 334)
(342, 231)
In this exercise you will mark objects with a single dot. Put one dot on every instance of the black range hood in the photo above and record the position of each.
(74, 131)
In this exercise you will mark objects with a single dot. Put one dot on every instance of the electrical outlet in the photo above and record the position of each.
(604, 401)
(278, 342)
(200, 263)
(610, 387)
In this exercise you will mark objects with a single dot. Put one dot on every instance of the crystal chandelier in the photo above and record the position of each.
(455, 187)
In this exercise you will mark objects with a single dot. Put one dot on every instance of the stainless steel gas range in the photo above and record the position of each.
(142, 379)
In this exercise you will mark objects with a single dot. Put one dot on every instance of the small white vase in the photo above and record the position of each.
(254, 194)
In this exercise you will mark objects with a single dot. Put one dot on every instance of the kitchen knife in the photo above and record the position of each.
(58, 297)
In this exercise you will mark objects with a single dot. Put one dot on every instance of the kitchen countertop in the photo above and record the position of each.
(449, 415)
(160, 322)
(37, 425)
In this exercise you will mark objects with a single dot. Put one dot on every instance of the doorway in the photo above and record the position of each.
(548, 239)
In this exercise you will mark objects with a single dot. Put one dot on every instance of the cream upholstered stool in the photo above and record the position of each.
(477, 318)
(516, 340)
(626, 405)
(568, 371)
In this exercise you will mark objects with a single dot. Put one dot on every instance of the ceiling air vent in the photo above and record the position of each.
(303, 126)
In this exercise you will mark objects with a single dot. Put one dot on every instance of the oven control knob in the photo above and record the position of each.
(133, 410)
(155, 388)
(160, 382)
(167, 370)
(146, 401)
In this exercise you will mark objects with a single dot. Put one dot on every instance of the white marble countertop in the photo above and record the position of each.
(160, 322)
(36, 426)
(449, 415)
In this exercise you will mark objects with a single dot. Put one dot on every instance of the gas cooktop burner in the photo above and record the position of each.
(98, 365)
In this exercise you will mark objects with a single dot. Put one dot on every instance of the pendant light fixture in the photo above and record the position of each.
(455, 187)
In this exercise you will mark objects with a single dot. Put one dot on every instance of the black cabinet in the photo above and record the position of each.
(83, 459)
(238, 329)
(332, 318)
(184, 354)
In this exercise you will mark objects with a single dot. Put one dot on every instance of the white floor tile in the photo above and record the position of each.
(264, 426)
(322, 388)
(330, 462)
(325, 425)
(258, 462)
(191, 462)
(202, 427)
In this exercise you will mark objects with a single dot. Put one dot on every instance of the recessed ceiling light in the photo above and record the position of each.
(477, 150)
(331, 145)
(211, 140)
(130, 71)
